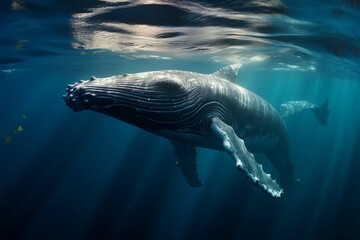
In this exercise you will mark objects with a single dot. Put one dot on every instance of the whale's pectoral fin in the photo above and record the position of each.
(186, 160)
(244, 159)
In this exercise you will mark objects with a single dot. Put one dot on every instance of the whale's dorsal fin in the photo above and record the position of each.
(186, 160)
(229, 72)
(244, 160)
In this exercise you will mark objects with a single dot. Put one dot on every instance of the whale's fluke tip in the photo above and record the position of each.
(322, 112)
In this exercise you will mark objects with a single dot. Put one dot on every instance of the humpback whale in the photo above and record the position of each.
(199, 110)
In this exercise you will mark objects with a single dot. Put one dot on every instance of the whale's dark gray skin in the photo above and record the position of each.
(193, 109)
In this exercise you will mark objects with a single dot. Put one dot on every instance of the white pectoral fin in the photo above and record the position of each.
(186, 160)
(243, 158)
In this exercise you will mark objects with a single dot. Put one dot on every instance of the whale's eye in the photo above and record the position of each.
(92, 78)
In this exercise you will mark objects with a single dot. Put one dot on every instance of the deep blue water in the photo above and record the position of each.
(67, 175)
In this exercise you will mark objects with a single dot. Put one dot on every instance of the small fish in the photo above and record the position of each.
(24, 116)
(7, 140)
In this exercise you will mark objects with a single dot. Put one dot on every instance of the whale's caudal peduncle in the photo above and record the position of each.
(193, 109)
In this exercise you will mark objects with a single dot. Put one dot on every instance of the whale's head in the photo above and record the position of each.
(134, 98)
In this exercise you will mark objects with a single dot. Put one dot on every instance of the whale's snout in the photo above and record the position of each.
(75, 96)
(82, 95)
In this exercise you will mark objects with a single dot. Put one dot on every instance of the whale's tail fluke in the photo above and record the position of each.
(294, 107)
(322, 112)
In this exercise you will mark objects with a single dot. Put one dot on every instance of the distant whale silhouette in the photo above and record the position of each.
(205, 110)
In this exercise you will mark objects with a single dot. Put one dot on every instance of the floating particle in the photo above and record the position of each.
(7, 140)
(17, 5)
(24, 116)
(20, 44)
(20, 128)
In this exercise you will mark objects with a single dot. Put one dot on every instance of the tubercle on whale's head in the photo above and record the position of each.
(76, 96)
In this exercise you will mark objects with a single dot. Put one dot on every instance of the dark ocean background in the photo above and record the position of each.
(67, 175)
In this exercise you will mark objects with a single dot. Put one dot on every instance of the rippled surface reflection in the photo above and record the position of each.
(224, 31)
